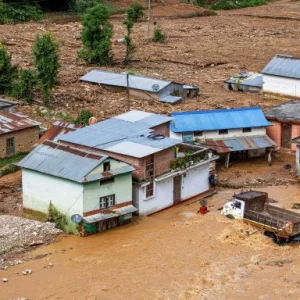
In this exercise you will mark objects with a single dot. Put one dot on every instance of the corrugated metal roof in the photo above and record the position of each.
(139, 116)
(254, 80)
(61, 161)
(7, 104)
(14, 121)
(119, 79)
(238, 144)
(284, 66)
(58, 128)
(125, 210)
(286, 111)
(171, 99)
(119, 136)
(247, 117)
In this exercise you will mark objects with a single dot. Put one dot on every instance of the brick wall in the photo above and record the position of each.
(24, 140)
(162, 129)
(162, 161)
(274, 132)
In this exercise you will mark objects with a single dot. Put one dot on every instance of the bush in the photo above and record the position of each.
(82, 6)
(25, 86)
(8, 72)
(134, 12)
(230, 4)
(61, 221)
(84, 117)
(46, 61)
(158, 35)
(19, 13)
(11, 168)
(96, 35)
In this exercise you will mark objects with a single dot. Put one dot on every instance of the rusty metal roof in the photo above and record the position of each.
(58, 129)
(15, 121)
(238, 144)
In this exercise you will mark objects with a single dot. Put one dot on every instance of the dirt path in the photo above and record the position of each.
(175, 254)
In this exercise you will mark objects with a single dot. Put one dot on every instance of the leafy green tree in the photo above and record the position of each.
(133, 13)
(46, 60)
(25, 86)
(8, 72)
(96, 35)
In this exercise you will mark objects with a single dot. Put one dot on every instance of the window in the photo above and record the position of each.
(198, 133)
(150, 189)
(187, 136)
(247, 130)
(223, 131)
(107, 180)
(106, 166)
(237, 204)
(107, 201)
(10, 146)
(149, 169)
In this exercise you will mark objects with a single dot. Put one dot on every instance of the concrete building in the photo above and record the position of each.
(96, 187)
(282, 76)
(166, 172)
(234, 134)
(286, 123)
(142, 87)
(18, 133)
(245, 82)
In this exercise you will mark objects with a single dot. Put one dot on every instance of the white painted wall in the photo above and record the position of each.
(281, 85)
(194, 182)
(298, 159)
(39, 189)
(232, 133)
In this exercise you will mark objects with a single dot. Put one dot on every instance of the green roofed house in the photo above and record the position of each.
(75, 181)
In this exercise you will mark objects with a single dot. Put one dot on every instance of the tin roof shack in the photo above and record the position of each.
(18, 133)
(286, 123)
(7, 105)
(245, 82)
(142, 87)
(234, 134)
(76, 181)
(132, 138)
(282, 76)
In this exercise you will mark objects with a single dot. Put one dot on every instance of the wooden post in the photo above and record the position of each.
(149, 19)
(227, 160)
(128, 98)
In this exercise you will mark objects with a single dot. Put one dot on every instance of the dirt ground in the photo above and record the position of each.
(203, 51)
(175, 254)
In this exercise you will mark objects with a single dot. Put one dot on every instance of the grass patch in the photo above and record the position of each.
(35, 215)
(7, 164)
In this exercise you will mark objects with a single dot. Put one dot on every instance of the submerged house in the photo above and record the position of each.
(282, 76)
(166, 171)
(234, 134)
(18, 133)
(286, 123)
(142, 87)
(76, 181)
(245, 82)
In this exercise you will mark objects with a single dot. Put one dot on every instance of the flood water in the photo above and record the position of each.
(175, 254)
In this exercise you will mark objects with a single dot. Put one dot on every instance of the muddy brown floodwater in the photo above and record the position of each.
(175, 254)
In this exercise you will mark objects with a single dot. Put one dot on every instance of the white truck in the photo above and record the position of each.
(254, 208)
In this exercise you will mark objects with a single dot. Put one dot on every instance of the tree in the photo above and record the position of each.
(8, 72)
(133, 13)
(96, 35)
(46, 60)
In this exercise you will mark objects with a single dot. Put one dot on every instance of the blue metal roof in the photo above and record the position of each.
(119, 79)
(247, 117)
(283, 65)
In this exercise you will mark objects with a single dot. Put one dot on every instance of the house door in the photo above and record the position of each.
(177, 189)
(286, 134)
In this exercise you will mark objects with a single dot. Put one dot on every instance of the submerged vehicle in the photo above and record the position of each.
(254, 208)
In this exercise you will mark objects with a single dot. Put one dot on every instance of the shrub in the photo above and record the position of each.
(134, 12)
(158, 35)
(8, 72)
(84, 117)
(46, 61)
(96, 35)
(11, 168)
(82, 6)
(19, 13)
(25, 86)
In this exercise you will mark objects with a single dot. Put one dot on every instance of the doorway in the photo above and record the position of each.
(286, 135)
(177, 189)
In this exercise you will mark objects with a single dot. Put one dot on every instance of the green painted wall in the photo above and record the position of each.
(114, 164)
(121, 187)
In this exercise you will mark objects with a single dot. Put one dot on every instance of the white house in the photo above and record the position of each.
(297, 142)
(282, 76)
(236, 133)
(167, 172)
(75, 181)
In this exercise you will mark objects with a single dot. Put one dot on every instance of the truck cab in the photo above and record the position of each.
(234, 208)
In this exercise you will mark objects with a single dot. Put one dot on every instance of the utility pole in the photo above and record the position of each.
(128, 98)
(149, 19)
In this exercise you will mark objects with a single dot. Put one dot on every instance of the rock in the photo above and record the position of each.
(27, 272)
(36, 243)
(4, 280)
